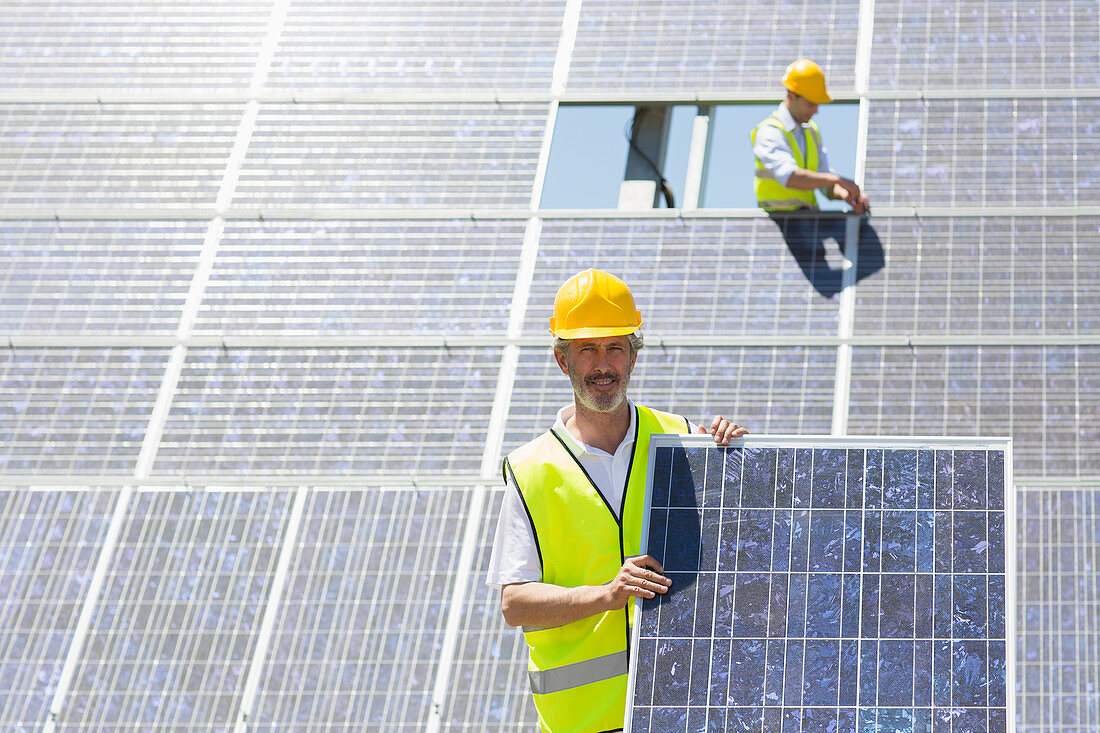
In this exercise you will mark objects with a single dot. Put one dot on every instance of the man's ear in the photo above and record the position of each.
(560, 358)
(633, 361)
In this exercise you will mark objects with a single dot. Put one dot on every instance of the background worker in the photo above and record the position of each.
(566, 552)
(791, 162)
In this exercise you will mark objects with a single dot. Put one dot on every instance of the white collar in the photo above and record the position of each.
(785, 117)
(565, 413)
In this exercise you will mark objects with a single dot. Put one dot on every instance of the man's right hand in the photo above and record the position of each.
(545, 605)
(639, 577)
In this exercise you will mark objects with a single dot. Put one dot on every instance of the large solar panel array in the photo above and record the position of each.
(827, 585)
(273, 298)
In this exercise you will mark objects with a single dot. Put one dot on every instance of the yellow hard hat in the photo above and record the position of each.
(806, 79)
(594, 304)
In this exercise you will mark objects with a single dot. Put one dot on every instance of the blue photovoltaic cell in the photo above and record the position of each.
(840, 586)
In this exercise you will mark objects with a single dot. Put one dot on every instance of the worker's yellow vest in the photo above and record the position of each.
(578, 672)
(770, 193)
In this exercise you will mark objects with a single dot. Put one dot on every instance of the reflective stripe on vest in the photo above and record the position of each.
(578, 674)
(770, 193)
(578, 670)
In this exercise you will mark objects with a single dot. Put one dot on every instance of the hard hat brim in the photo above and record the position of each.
(816, 100)
(594, 333)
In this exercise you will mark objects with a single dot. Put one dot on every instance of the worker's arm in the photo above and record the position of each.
(547, 605)
(836, 187)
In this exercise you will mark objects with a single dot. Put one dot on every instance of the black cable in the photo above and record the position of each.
(666, 190)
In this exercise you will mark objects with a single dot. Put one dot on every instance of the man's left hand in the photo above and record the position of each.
(848, 192)
(723, 430)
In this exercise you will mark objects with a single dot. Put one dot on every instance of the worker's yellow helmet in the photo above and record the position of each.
(806, 79)
(594, 304)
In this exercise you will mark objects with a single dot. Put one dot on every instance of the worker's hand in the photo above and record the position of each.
(860, 205)
(849, 192)
(639, 577)
(723, 430)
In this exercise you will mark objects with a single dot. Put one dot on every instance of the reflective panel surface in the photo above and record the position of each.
(654, 45)
(177, 620)
(841, 588)
(392, 155)
(345, 278)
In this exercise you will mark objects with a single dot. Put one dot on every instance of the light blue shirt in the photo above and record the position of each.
(774, 152)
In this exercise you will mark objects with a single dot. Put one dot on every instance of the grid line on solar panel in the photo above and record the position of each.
(382, 45)
(119, 154)
(48, 546)
(1058, 599)
(489, 687)
(175, 626)
(330, 411)
(705, 277)
(988, 152)
(1039, 395)
(949, 45)
(861, 586)
(80, 411)
(984, 276)
(130, 44)
(655, 45)
(362, 620)
(398, 277)
(95, 277)
(776, 390)
(392, 154)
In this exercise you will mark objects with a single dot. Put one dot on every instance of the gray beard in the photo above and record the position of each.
(604, 405)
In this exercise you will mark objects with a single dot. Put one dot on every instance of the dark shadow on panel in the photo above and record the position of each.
(870, 258)
(675, 534)
(807, 237)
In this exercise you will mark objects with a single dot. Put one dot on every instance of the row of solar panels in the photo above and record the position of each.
(651, 45)
(363, 615)
(175, 629)
(1026, 277)
(425, 411)
(957, 152)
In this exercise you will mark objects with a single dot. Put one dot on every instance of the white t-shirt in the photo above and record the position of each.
(774, 152)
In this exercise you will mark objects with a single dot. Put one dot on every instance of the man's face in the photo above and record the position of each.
(599, 369)
(801, 109)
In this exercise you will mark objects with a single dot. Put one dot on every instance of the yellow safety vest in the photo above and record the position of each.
(770, 193)
(578, 672)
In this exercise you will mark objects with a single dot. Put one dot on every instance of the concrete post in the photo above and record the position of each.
(641, 188)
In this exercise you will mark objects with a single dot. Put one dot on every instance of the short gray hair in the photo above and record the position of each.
(636, 343)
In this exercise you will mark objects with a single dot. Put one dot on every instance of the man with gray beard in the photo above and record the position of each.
(566, 556)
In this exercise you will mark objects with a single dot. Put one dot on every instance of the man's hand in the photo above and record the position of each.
(723, 430)
(849, 192)
(639, 577)
(546, 605)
